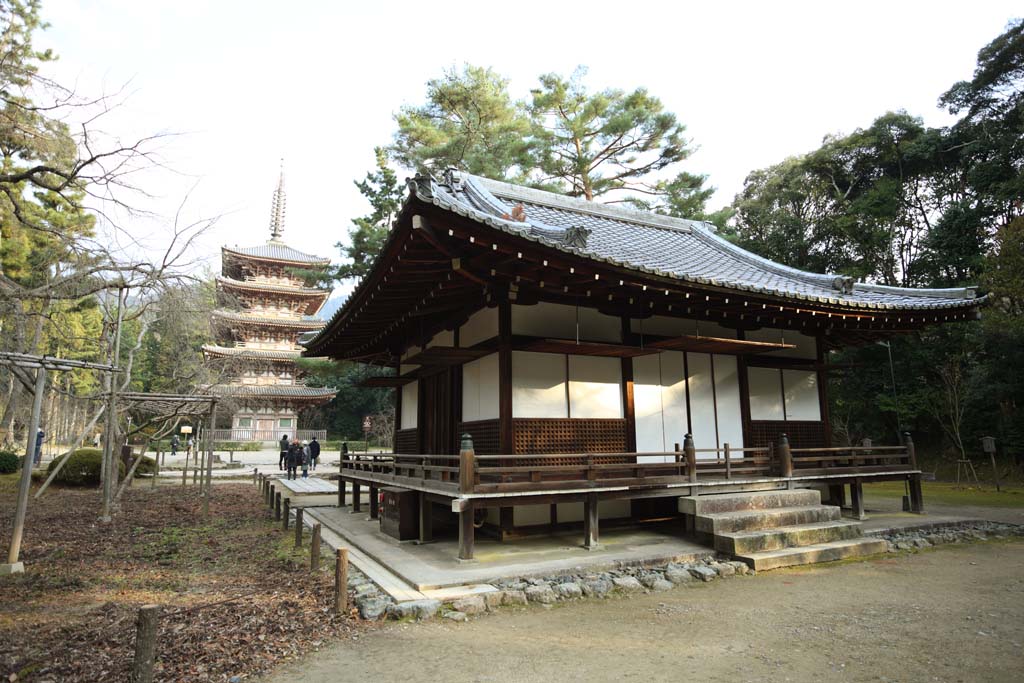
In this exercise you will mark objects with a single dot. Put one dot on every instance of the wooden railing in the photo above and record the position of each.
(267, 435)
(477, 474)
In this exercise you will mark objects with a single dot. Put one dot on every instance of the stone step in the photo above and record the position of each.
(823, 552)
(751, 520)
(750, 500)
(746, 542)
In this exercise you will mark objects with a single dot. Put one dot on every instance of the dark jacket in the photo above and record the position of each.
(284, 444)
(294, 458)
(314, 449)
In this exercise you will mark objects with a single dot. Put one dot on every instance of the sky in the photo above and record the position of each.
(242, 85)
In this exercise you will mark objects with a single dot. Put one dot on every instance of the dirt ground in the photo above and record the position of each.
(954, 613)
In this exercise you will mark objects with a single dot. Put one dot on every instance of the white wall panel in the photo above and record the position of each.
(765, 385)
(806, 346)
(481, 326)
(471, 391)
(489, 395)
(538, 385)
(727, 401)
(595, 387)
(647, 405)
(702, 402)
(572, 512)
(558, 321)
(529, 515)
(668, 326)
(801, 389)
(442, 338)
(410, 401)
(673, 397)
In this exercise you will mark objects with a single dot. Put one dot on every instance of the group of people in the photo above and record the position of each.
(298, 454)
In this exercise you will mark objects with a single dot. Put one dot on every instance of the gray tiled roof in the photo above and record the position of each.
(278, 251)
(271, 287)
(660, 245)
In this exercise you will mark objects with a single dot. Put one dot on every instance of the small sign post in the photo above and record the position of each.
(367, 424)
(988, 444)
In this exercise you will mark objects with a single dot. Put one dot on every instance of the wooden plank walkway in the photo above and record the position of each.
(310, 486)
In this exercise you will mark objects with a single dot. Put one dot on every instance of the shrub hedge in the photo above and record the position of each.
(9, 462)
(82, 468)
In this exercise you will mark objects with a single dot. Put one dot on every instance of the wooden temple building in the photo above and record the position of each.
(606, 365)
(265, 306)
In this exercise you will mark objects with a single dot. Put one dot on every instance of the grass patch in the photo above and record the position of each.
(944, 493)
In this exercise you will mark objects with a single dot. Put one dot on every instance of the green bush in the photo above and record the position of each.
(146, 467)
(9, 462)
(82, 468)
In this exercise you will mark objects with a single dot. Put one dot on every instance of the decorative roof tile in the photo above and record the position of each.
(277, 251)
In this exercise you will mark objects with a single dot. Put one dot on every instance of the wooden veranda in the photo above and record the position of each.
(468, 483)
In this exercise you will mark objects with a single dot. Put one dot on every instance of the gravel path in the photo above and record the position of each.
(955, 613)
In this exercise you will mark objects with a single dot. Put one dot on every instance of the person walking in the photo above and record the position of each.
(284, 452)
(306, 457)
(314, 452)
(175, 442)
(38, 455)
(189, 443)
(292, 457)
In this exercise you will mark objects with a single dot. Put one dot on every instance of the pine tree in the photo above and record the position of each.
(381, 188)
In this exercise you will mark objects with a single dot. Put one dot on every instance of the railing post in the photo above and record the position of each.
(785, 457)
(691, 457)
(287, 513)
(341, 581)
(277, 506)
(911, 452)
(467, 462)
(728, 466)
(298, 527)
(255, 475)
(679, 458)
(314, 549)
(341, 492)
(145, 644)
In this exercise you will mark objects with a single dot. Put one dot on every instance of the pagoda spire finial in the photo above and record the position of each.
(277, 208)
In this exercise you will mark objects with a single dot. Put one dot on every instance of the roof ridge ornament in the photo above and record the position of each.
(576, 236)
(843, 284)
(277, 209)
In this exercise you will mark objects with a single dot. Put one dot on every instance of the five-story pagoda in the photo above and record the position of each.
(265, 305)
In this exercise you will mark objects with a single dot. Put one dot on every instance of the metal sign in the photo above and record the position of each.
(186, 429)
(366, 423)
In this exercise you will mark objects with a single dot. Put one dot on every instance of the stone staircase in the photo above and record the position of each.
(772, 529)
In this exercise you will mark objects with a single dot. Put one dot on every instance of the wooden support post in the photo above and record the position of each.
(355, 496)
(298, 527)
(374, 502)
(341, 581)
(145, 644)
(314, 549)
(156, 469)
(277, 506)
(837, 495)
(916, 494)
(426, 519)
(857, 499)
(467, 465)
(287, 513)
(728, 463)
(466, 532)
(911, 451)
(679, 460)
(255, 475)
(785, 457)
(270, 496)
(591, 535)
(184, 471)
(341, 492)
(691, 457)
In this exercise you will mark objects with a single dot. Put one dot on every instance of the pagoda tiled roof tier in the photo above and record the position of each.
(462, 241)
(305, 323)
(248, 353)
(315, 297)
(274, 251)
(275, 391)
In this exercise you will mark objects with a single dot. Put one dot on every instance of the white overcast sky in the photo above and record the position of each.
(317, 83)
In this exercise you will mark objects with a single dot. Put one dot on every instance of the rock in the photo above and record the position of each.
(414, 609)
(542, 594)
(454, 616)
(372, 607)
(569, 591)
(740, 567)
(648, 580)
(661, 585)
(363, 588)
(724, 569)
(471, 604)
(678, 575)
(493, 600)
(627, 584)
(514, 598)
(518, 586)
(922, 543)
(597, 587)
(703, 572)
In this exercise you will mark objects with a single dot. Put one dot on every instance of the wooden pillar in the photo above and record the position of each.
(374, 503)
(506, 438)
(145, 644)
(857, 499)
(466, 531)
(911, 451)
(426, 519)
(355, 497)
(628, 410)
(590, 522)
(341, 581)
(287, 513)
(785, 457)
(298, 527)
(691, 459)
(314, 549)
(837, 495)
(916, 494)
(277, 506)
(341, 492)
